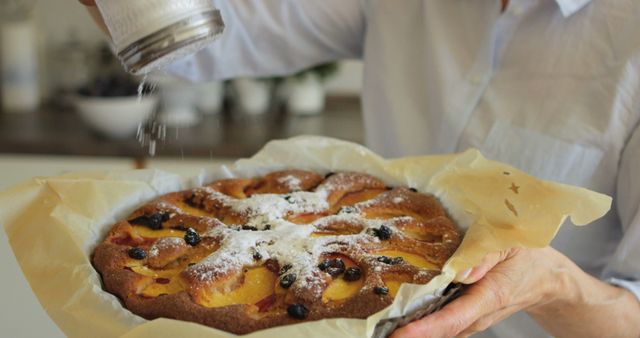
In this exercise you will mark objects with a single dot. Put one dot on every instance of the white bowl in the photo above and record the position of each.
(115, 117)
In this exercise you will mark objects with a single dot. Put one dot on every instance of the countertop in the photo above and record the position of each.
(225, 135)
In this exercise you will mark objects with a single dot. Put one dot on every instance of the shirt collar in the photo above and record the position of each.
(569, 7)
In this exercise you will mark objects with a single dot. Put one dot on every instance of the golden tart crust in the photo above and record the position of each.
(242, 255)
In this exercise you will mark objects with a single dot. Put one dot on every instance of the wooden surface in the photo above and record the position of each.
(227, 135)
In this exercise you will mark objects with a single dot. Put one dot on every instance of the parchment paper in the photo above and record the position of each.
(53, 224)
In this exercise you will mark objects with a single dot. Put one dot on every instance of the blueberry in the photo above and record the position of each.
(397, 260)
(153, 222)
(381, 290)
(257, 256)
(137, 253)
(324, 265)
(384, 232)
(141, 220)
(297, 311)
(191, 237)
(249, 227)
(190, 201)
(352, 274)
(335, 271)
(284, 269)
(267, 227)
(333, 267)
(384, 259)
(389, 260)
(287, 280)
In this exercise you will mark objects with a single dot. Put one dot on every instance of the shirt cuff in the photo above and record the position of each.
(633, 287)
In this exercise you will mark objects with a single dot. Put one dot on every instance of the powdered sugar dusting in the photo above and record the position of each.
(283, 241)
(165, 244)
(267, 233)
(273, 206)
(291, 182)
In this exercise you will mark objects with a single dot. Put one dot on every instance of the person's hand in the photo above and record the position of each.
(503, 284)
(88, 2)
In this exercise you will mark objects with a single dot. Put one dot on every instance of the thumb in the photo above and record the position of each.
(472, 275)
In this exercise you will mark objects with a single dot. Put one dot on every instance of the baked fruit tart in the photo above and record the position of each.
(246, 254)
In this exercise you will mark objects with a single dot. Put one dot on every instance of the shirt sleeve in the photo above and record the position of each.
(624, 268)
(277, 37)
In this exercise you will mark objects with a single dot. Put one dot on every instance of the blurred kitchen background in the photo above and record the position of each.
(67, 105)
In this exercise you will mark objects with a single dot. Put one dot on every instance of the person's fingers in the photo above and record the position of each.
(88, 2)
(477, 302)
(489, 320)
(476, 273)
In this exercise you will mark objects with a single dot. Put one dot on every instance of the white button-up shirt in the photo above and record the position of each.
(551, 87)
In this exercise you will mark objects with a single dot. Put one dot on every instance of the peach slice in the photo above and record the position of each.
(230, 219)
(145, 271)
(356, 197)
(142, 231)
(234, 187)
(305, 218)
(336, 232)
(164, 286)
(393, 282)
(267, 303)
(331, 233)
(256, 285)
(411, 258)
(141, 235)
(193, 211)
(338, 227)
(340, 289)
(432, 230)
(381, 213)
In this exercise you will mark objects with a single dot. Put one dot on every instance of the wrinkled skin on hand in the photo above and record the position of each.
(502, 284)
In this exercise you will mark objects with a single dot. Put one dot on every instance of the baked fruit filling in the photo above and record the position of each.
(246, 254)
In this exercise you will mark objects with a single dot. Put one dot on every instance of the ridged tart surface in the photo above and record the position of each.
(242, 255)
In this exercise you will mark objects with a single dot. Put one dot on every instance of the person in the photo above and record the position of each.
(549, 86)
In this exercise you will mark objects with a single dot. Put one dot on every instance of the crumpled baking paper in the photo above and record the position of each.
(53, 224)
